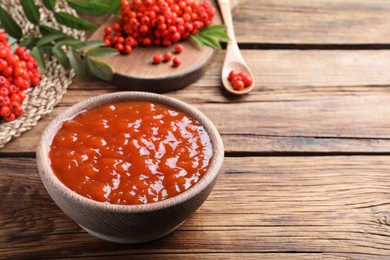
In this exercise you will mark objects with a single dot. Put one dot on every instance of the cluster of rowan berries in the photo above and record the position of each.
(18, 72)
(157, 22)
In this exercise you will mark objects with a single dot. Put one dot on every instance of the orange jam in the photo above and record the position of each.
(130, 152)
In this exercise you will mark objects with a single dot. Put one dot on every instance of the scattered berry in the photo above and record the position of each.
(167, 56)
(157, 58)
(176, 62)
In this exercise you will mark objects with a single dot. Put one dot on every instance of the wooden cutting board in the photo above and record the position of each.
(137, 72)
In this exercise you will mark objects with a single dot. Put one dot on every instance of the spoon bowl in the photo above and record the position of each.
(236, 66)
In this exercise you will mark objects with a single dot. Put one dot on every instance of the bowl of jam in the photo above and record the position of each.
(130, 167)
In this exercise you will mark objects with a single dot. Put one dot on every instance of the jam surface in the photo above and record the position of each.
(131, 152)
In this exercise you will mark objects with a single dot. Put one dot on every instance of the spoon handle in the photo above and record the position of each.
(224, 5)
(233, 51)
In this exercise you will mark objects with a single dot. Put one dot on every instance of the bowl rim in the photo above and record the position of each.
(46, 172)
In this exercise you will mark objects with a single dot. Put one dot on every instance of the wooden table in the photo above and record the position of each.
(307, 167)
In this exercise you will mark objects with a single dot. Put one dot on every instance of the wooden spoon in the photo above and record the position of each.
(233, 60)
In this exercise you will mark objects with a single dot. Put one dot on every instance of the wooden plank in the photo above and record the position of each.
(287, 71)
(333, 206)
(232, 255)
(306, 101)
(313, 22)
(357, 123)
(310, 22)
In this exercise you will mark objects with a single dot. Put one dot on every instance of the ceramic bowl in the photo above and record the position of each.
(129, 223)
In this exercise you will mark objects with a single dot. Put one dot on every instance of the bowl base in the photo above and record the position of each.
(129, 240)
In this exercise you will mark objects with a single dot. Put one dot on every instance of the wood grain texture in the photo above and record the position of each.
(276, 70)
(300, 22)
(329, 124)
(327, 207)
(306, 101)
(279, 73)
(320, 22)
(275, 198)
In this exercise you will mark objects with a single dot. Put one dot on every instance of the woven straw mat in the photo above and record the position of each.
(55, 80)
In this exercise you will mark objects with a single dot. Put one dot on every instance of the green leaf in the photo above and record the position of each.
(197, 38)
(219, 35)
(29, 42)
(90, 7)
(213, 28)
(50, 38)
(70, 42)
(99, 69)
(77, 64)
(210, 41)
(45, 30)
(31, 11)
(9, 24)
(211, 35)
(102, 52)
(49, 4)
(215, 32)
(115, 6)
(61, 57)
(37, 52)
(73, 21)
(47, 50)
(90, 44)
